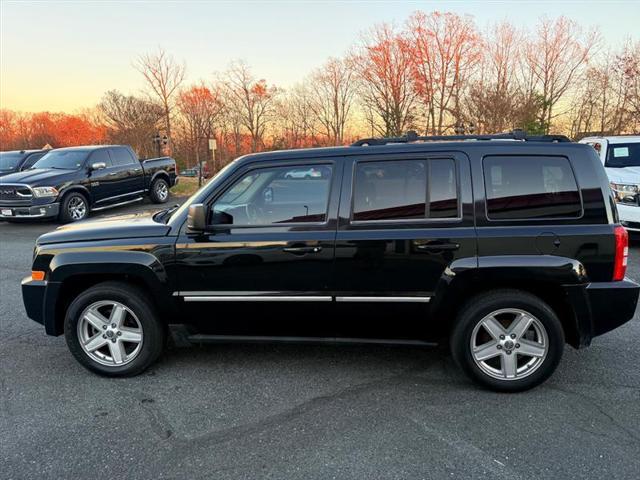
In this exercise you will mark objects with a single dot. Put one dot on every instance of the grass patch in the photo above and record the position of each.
(186, 187)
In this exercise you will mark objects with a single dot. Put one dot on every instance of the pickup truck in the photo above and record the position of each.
(621, 158)
(69, 183)
(18, 160)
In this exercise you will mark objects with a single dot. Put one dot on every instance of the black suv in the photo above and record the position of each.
(507, 245)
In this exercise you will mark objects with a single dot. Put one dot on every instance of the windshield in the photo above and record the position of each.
(10, 160)
(620, 155)
(63, 159)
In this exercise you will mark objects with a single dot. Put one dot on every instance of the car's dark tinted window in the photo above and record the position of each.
(405, 190)
(100, 156)
(31, 160)
(121, 156)
(276, 195)
(10, 160)
(530, 187)
(443, 189)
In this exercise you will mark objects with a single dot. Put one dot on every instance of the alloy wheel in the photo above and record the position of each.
(110, 333)
(77, 208)
(509, 344)
(162, 191)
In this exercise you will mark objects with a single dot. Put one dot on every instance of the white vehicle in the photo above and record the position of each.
(305, 173)
(621, 158)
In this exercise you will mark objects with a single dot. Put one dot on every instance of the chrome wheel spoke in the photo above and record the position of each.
(95, 342)
(130, 335)
(520, 325)
(494, 327)
(486, 351)
(530, 348)
(95, 318)
(509, 365)
(117, 352)
(117, 316)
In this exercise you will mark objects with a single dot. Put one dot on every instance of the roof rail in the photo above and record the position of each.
(412, 136)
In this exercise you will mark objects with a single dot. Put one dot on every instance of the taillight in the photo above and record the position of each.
(622, 253)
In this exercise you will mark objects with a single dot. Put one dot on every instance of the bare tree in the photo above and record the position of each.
(131, 120)
(333, 88)
(251, 100)
(382, 64)
(164, 77)
(554, 58)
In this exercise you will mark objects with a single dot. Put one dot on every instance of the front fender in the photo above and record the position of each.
(141, 266)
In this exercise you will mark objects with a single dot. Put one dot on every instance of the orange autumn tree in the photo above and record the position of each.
(445, 49)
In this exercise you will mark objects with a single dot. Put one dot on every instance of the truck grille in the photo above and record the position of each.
(14, 192)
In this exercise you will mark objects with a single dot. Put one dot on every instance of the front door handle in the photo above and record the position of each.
(302, 250)
(437, 246)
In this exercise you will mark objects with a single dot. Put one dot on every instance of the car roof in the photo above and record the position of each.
(414, 147)
(24, 152)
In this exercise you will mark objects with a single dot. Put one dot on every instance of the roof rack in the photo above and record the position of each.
(412, 136)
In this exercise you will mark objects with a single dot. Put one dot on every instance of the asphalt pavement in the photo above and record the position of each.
(304, 412)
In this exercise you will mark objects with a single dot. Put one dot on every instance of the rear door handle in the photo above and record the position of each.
(302, 250)
(437, 246)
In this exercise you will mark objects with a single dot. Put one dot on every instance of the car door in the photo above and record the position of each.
(102, 184)
(275, 246)
(127, 173)
(404, 219)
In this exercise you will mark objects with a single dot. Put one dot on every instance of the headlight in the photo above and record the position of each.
(625, 192)
(45, 192)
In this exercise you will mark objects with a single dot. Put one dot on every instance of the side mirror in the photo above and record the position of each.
(98, 166)
(197, 218)
(221, 218)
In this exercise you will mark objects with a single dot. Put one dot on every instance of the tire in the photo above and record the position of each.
(513, 309)
(113, 356)
(159, 191)
(73, 208)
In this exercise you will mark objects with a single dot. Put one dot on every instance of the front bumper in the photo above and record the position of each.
(36, 211)
(39, 298)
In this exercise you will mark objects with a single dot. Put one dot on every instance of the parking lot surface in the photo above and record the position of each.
(304, 412)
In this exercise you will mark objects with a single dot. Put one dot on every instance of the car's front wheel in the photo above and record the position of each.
(74, 207)
(507, 340)
(112, 329)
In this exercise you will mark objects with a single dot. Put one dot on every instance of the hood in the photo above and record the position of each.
(40, 177)
(624, 175)
(6, 171)
(139, 225)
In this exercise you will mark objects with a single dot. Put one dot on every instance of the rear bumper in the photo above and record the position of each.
(37, 211)
(601, 307)
(612, 304)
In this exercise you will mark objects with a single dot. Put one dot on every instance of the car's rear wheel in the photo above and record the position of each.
(74, 207)
(112, 329)
(159, 191)
(507, 340)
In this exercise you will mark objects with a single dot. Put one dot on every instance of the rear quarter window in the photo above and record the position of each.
(530, 187)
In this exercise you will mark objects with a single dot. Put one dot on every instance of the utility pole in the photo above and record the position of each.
(198, 162)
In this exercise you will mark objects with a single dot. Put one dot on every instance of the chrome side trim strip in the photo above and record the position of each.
(384, 299)
(121, 195)
(255, 298)
(97, 209)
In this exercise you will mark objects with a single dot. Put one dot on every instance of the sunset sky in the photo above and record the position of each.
(62, 56)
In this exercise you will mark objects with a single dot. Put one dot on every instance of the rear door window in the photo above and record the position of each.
(121, 156)
(528, 187)
(405, 190)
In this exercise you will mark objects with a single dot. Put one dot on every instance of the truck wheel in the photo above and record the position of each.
(507, 340)
(159, 191)
(112, 329)
(73, 208)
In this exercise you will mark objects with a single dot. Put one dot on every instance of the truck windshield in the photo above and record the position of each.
(62, 159)
(620, 155)
(9, 160)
